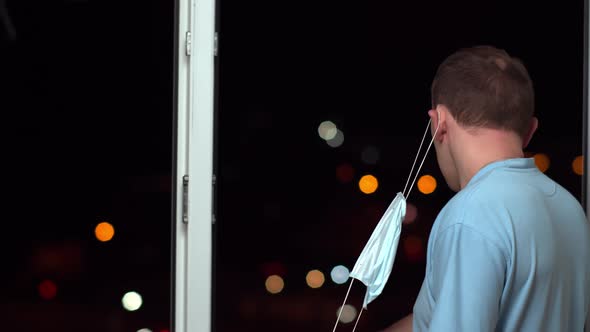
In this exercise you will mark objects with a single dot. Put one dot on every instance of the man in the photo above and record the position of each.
(511, 250)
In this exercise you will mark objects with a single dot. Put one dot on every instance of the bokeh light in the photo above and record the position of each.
(144, 330)
(327, 130)
(274, 284)
(337, 140)
(370, 155)
(104, 231)
(315, 278)
(427, 184)
(339, 274)
(413, 248)
(348, 313)
(47, 289)
(344, 173)
(411, 213)
(578, 165)
(132, 301)
(542, 161)
(368, 184)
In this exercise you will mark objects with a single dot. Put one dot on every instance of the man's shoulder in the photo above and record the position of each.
(479, 207)
(500, 190)
(493, 205)
(464, 203)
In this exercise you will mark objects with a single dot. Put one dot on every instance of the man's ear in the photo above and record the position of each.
(437, 122)
(529, 135)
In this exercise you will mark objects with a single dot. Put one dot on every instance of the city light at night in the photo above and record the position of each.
(327, 130)
(368, 184)
(47, 289)
(344, 173)
(274, 284)
(339, 274)
(337, 140)
(542, 161)
(315, 279)
(132, 301)
(411, 213)
(348, 313)
(578, 165)
(427, 184)
(104, 231)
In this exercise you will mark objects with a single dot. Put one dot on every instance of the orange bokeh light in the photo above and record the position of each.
(315, 279)
(542, 161)
(368, 184)
(104, 231)
(578, 165)
(427, 184)
(274, 284)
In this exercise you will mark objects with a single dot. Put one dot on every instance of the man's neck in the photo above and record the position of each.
(483, 148)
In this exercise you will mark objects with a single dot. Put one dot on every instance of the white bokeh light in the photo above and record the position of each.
(144, 330)
(131, 301)
(339, 274)
(337, 140)
(348, 313)
(327, 130)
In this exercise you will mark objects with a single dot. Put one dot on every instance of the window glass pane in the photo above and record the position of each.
(87, 100)
(289, 201)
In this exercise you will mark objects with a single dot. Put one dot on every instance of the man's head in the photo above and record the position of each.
(480, 92)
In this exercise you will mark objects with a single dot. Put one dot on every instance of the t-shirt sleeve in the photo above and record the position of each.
(467, 279)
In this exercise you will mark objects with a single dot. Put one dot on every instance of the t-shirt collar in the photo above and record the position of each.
(513, 163)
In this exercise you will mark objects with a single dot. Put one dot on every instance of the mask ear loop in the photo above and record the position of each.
(419, 167)
(357, 319)
(342, 307)
(423, 159)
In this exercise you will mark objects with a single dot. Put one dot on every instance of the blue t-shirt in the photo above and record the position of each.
(509, 252)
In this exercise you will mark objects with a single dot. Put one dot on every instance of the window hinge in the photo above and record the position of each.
(188, 43)
(185, 199)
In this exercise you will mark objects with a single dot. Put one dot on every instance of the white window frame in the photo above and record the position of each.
(193, 217)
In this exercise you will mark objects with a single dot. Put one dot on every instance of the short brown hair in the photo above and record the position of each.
(483, 86)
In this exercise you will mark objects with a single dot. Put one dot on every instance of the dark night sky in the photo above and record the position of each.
(87, 100)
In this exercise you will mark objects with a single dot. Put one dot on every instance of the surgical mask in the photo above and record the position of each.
(375, 262)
